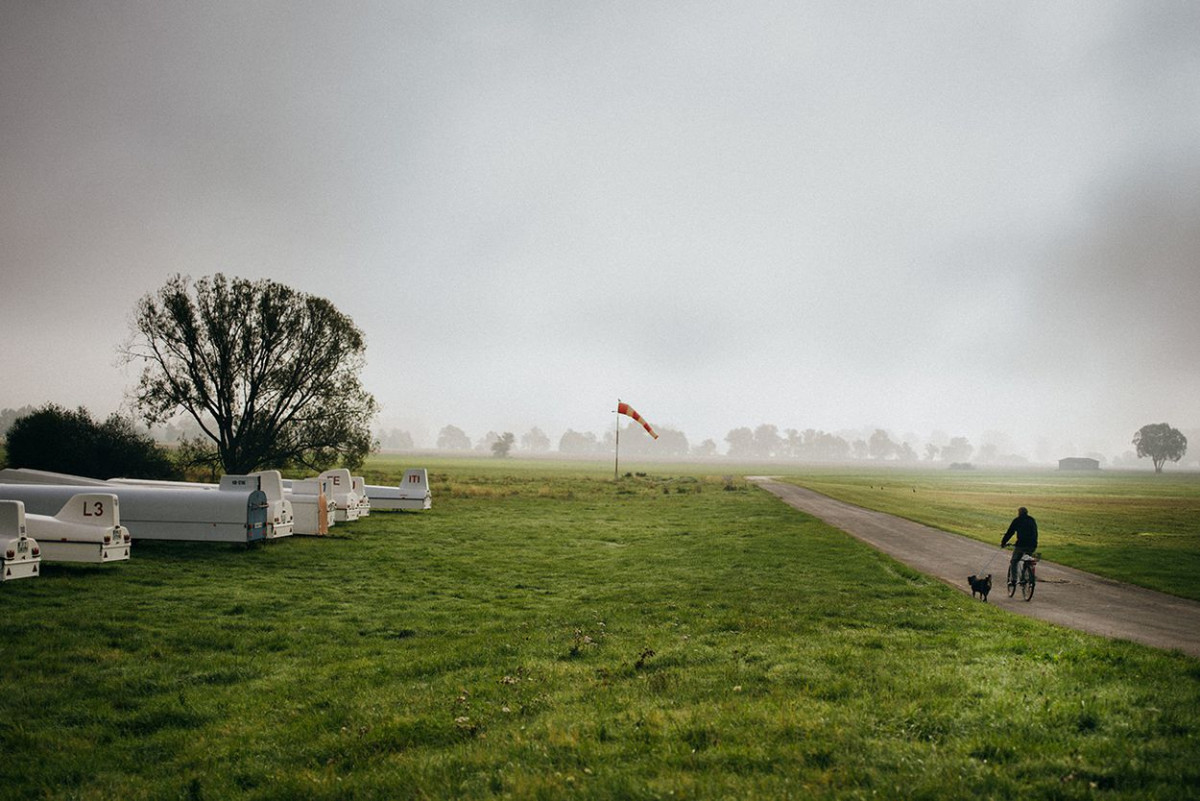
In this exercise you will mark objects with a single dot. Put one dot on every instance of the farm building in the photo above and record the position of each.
(1078, 463)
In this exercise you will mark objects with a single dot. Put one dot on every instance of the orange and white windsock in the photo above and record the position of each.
(626, 409)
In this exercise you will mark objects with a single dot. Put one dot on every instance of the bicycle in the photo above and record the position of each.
(1026, 577)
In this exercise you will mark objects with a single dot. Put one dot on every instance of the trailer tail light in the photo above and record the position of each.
(36, 550)
(107, 539)
(10, 553)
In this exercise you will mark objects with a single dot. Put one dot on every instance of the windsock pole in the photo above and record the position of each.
(617, 449)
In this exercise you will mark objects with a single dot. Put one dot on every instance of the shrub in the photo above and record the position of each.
(54, 438)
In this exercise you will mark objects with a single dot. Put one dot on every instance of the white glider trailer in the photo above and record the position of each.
(27, 475)
(360, 492)
(280, 516)
(413, 493)
(87, 529)
(312, 513)
(340, 494)
(164, 513)
(20, 555)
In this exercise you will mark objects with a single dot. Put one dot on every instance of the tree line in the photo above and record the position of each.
(765, 441)
(1158, 442)
(264, 376)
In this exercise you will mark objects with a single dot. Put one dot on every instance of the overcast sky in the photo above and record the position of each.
(937, 216)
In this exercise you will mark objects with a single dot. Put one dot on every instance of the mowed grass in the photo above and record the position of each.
(546, 632)
(1138, 527)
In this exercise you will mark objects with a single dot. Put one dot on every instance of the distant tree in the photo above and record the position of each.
(486, 441)
(9, 416)
(503, 445)
(177, 430)
(1160, 442)
(932, 451)
(575, 442)
(821, 446)
(995, 445)
(741, 443)
(395, 440)
(793, 444)
(270, 374)
(670, 442)
(958, 450)
(635, 441)
(880, 445)
(535, 441)
(453, 438)
(767, 442)
(705, 450)
(861, 449)
(53, 438)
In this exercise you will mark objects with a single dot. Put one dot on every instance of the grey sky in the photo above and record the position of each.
(961, 217)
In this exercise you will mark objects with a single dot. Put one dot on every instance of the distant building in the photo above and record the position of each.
(1078, 463)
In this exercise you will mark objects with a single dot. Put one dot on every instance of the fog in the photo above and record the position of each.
(938, 219)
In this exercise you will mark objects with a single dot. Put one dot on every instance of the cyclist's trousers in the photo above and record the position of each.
(1014, 565)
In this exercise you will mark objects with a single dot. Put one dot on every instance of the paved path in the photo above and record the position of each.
(1064, 595)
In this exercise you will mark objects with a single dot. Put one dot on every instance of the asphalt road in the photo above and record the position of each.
(1064, 595)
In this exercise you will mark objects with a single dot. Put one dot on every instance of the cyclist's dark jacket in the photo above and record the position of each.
(1025, 527)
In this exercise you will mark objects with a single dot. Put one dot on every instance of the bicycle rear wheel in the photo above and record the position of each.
(1028, 582)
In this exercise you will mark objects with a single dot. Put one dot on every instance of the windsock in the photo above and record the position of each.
(626, 409)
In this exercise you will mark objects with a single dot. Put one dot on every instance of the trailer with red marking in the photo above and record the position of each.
(413, 493)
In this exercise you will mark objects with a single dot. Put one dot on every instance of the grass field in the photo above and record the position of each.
(1137, 527)
(546, 632)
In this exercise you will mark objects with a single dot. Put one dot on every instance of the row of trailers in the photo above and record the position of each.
(64, 518)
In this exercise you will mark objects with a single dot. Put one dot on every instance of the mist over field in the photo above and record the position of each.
(937, 220)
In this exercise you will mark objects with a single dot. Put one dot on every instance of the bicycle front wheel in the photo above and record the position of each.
(1028, 582)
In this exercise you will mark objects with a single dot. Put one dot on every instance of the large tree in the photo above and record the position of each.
(1160, 442)
(270, 374)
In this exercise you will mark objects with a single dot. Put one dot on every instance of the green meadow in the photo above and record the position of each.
(1138, 527)
(548, 632)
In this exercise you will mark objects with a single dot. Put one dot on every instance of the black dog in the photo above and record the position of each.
(982, 586)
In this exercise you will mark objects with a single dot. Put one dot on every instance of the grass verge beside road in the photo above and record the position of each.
(550, 633)
(1138, 527)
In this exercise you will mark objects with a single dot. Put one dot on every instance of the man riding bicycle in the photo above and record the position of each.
(1025, 527)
